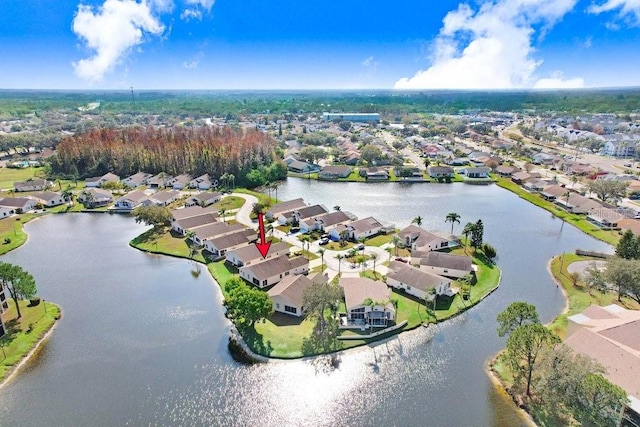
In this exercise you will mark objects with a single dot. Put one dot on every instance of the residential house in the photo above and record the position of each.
(48, 198)
(18, 204)
(440, 172)
(605, 218)
(271, 271)
(130, 201)
(298, 166)
(443, 264)
(368, 303)
(182, 213)
(6, 211)
(535, 185)
(419, 239)
(630, 224)
(181, 226)
(219, 246)
(211, 230)
(578, 204)
(522, 177)
(356, 230)
(247, 255)
(324, 222)
(163, 198)
(99, 181)
(95, 197)
(203, 182)
(619, 145)
(479, 172)
(301, 214)
(553, 192)
(286, 206)
(203, 199)
(334, 172)
(610, 336)
(506, 171)
(31, 185)
(374, 174)
(288, 295)
(160, 180)
(179, 182)
(417, 282)
(136, 180)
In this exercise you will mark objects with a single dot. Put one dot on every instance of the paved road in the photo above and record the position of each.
(243, 216)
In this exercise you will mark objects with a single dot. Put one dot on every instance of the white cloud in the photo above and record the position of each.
(193, 64)
(189, 14)
(557, 81)
(488, 48)
(162, 6)
(111, 31)
(205, 4)
(627, 9)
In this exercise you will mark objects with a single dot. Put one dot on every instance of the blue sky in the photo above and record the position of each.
(344, 44)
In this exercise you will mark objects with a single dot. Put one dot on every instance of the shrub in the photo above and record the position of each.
(7, 240)
(489, 251)
(34, 301)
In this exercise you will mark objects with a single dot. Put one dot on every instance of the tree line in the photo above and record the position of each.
(178, 150)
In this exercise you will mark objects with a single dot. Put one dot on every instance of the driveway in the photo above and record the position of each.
(243, 216)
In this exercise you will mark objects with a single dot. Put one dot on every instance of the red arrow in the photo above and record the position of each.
(263, 246)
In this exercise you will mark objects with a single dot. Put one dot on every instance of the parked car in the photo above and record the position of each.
(360, 246)
(324, 241)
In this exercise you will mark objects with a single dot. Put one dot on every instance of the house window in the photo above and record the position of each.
(256, 282)
(408, 287)
(290, 309)
(264, 283)
(277, 305)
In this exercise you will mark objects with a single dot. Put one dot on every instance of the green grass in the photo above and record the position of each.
(19, 341)
(379, 240)
(354, 176)
(230, 203)
(579, 221)
(9, 175)
(11, 229)
(262, 198)
(165, 242)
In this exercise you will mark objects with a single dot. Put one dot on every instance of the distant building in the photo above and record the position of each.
(352, 117)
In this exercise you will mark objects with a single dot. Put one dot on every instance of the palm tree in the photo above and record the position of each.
(305, 241)
(452, 217)
(222, 213)
(374, 257)
(339, 257)
(225, 179)
(275, 188)
(67, 195)
(396, 241)
(232, 178)
(417, 220)
(321, 253)
(468, 229)
(336, 207)
(574, 179)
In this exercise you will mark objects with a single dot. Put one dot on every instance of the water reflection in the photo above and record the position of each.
(144, 341)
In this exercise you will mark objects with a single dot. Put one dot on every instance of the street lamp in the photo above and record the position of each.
(44, 303)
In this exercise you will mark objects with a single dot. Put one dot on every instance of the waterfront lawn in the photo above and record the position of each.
(580, 296)
(19, 340)
(11, 233)
(579, 221)
(280, 336)
(165, 242)
(379, 240)
(262, 198)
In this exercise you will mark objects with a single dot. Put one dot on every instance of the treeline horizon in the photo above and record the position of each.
(200, 104)
(180, 150)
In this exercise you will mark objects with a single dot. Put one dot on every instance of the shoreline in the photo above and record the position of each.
(16, 368)
(493, 375)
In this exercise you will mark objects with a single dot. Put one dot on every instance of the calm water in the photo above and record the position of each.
(143, 338)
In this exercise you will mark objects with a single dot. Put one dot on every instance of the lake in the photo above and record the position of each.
(143, 338)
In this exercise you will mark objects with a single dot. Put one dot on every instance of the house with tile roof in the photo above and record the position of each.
(271, 271)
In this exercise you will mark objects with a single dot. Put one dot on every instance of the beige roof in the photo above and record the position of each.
(196, 221)
(365, 224)
(630, 224)
(251, 252)
(192, 211)
(215, 229)
(444, 260)
(233, 239)
(291, 288)
(46, 195)
(274, 266)
(163, 196)
(136, 196)
(611, 335)
(287, 206)
(358, 289)
(204, 196)
(416, 278)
